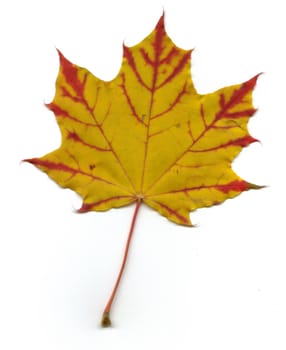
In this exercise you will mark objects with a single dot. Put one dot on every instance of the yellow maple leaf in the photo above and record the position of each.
(147, 135)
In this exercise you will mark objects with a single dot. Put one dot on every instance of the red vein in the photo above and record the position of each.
(222, 101)
(237, 96)
(236, 185)
(128, 55)
(226, 126)
(242, 142)
(190, 131)
(184, 60)
(157, 46)
(239, 114)
(64, 114)
(146, 57)
(202, 112)
(74, 136)
(65, 168)
(184, 190)
(130, 104)
(66, 93)
(162, 131)
(172, 53)
(173, 104)
(70, 73)
(89, 206)
(98, 88)
(195, 166)
(172, 212)
(106, 114)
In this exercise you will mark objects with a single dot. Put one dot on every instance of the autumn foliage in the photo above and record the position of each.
(147, 136)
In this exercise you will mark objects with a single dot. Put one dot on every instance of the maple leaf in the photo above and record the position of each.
(148, 136)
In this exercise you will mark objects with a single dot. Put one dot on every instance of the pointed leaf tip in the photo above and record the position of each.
(161, 23)
(30, 160)
(70, 73)
(62, 58)
(246, 141)
(250, 84)
(85, 208)
(252, 186)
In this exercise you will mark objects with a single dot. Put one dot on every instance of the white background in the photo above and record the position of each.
(220, 285)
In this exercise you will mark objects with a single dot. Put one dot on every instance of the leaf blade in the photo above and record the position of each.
(148, 134)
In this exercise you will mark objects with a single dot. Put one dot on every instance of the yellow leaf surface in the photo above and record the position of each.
(147, 134)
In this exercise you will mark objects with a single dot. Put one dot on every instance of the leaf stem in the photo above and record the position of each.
(105, 321)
